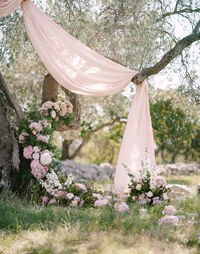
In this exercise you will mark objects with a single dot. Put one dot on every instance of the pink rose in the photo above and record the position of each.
(21, 137)
(36, 156)
(53, 114)
(140, 180)
(37, 169)
(57, 106)
(69, 107)
(36, 126)
(138, 187)
(28, 152)
(36, 149)
(149, 194)
(63, 110)
(101, 202)
(43, 138)
(34, 132)
(48, 104)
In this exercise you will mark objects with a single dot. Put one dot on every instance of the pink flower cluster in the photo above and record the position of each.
(56, 109)
(168, 219)
(121, 207)
(161, 182)
(81, 186)
(170, 210)
(37, 169)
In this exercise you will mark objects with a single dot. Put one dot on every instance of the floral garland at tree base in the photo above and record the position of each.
(36, 135)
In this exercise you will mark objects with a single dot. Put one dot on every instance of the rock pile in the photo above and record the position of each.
(106, 170)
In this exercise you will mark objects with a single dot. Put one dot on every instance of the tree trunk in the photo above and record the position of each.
(11, 168)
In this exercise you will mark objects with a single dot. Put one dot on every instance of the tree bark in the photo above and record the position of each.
(11, 168)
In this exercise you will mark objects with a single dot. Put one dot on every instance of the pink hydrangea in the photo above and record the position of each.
(141, 197)
(101, 202)
(156, 201)
(28, 152)
(96, 195)
(53, 113)
(37, 169)
(43, 138)
(161, 182)
(121, 207)
(168, 219)
(69, 195)
(69, 107)
(74, 203)
(36, 126)
(81, 186)
(170, 210)
(58, 194)
(82, 203)
(45, 200)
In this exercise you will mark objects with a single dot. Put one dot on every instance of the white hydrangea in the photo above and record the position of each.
(69, 180)
(51, 183)
(45, 159)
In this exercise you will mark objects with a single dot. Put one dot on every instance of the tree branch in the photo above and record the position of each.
(10, 98)
(88, 136)
(168, 57)
(186, 10)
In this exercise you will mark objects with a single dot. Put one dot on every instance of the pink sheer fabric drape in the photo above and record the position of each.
(138, 137)
(83, 71)
(8, 6)
(71, 63)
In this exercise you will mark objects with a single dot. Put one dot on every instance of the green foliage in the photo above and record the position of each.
(174, 129)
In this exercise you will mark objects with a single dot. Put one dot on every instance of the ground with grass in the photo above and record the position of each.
(27, 227)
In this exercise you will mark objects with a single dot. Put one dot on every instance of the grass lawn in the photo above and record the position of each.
(29, 228)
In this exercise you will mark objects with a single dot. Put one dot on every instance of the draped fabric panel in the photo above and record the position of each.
(8, 6)
(138, 137)
(71, 63)
(83, 71)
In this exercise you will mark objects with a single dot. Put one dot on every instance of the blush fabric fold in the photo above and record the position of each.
(83, 71)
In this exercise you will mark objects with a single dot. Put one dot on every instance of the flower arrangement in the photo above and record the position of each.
(147, 188)
(35, 136)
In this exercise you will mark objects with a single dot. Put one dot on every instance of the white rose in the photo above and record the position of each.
(45, 159)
